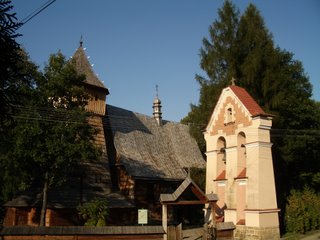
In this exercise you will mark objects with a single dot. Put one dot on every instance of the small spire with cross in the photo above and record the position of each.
(157, 107)
(233, 81)
(157, 90)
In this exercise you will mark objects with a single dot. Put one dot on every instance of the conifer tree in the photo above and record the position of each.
(10, 76)
(218, 61)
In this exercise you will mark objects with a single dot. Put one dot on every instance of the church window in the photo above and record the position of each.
(242, 155)
(221, 157)
(229, 115)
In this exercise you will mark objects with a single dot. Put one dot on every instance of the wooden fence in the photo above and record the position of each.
(175, 232)
(82, 233)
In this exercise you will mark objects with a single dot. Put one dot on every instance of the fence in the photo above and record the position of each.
(175, 232)
(82, 233)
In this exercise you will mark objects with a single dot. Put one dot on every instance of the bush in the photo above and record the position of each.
(302, 211)
(94, 212)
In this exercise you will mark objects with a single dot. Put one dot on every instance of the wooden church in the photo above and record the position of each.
(142, 157)
(239, 165)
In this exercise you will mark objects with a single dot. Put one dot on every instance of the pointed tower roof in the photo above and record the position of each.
(83, 66)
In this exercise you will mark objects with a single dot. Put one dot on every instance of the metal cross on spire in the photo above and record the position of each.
(81, 41)
(157, 90)
(233, 81)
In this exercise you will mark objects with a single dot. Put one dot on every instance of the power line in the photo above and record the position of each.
(36, 12)
(122, 122)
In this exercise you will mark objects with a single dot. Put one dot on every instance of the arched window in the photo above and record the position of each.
(241, 178)
(242, 155)
(221, 158)
(229, 115)
(221, 171)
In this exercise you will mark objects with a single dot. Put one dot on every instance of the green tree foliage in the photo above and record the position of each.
(51, 135)
(94, 212)
(198, 175)
(11, 78)
(302, 211)
(241, 46)
(216, 58)
(10, 183)
(16, 78)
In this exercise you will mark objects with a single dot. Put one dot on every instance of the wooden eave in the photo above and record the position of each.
(176, 197)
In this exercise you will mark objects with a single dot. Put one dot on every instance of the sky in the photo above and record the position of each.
(136, 45)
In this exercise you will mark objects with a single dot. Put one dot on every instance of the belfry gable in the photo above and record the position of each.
(234, 107)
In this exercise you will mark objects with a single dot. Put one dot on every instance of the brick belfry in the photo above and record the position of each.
(240, 167)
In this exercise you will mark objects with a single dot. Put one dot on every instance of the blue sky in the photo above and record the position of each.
(135, 45)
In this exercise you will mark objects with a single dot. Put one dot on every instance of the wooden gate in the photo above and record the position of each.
(175, 232)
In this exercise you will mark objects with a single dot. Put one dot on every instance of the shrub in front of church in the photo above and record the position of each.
(94, 212)
(302, 211)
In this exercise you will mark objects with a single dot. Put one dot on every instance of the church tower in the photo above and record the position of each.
(96, 104)
(240, 167)
(93, 86)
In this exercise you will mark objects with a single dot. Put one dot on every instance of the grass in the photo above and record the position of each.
(297, 236)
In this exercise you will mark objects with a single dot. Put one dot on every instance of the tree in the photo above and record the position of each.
(217, 60)
(52, 135)
(10, 181)
(94, 212)
(302, 213)
(11, 78)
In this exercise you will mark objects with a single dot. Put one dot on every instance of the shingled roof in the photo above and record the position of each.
(150, 151)
(252, 106)
(188, 183)
(83, 66)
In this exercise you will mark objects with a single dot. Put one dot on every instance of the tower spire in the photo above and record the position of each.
(81, 41)
(157, 108)
(157, 91)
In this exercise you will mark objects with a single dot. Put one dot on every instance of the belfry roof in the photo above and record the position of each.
(246, 99)
(83, 66)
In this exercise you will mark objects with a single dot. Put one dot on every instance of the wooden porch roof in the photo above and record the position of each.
(181, 196)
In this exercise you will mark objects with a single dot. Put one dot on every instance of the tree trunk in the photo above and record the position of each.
(44, 200)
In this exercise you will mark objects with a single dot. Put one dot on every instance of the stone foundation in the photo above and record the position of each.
(256, 233)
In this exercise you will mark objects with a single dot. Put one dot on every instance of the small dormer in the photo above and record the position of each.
(93, 85)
